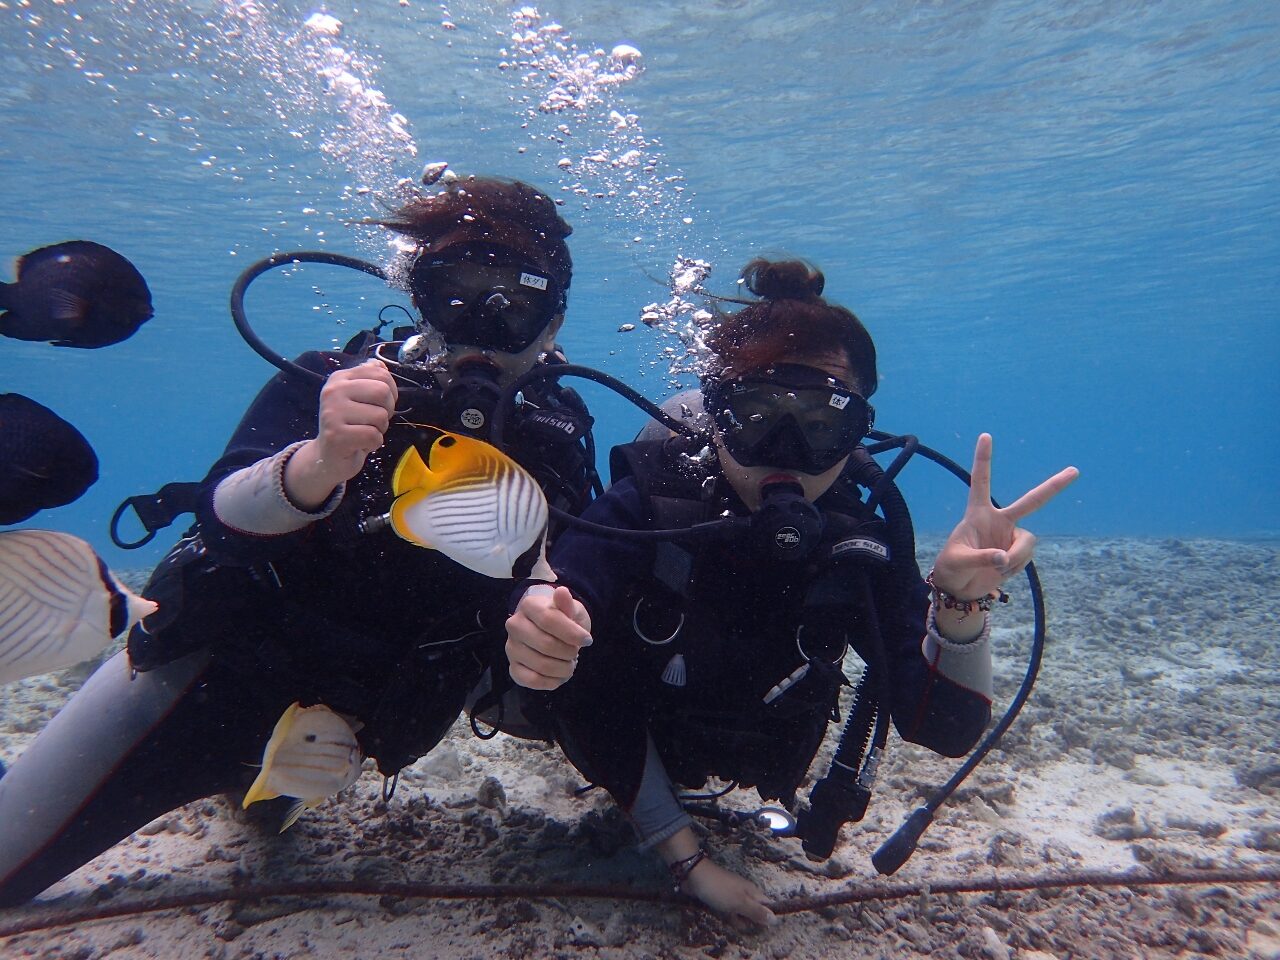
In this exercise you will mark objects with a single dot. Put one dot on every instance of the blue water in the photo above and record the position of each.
(1058, 220)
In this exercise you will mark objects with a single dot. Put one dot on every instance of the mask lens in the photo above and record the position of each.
(810, 428)
(499, 303)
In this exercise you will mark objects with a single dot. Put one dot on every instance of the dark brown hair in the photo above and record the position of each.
(495, 210)
(791, 319)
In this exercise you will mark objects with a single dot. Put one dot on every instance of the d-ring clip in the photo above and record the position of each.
(635, 623)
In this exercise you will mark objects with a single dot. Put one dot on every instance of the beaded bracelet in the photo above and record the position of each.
(966, 607)
(681, 869)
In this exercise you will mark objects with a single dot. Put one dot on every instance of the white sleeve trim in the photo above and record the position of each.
(252, 500)
(967, 663)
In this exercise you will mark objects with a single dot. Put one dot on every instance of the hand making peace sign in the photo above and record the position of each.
(987, 547)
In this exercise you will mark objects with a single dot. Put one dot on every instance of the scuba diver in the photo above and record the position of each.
(290, 589)
(675, 659)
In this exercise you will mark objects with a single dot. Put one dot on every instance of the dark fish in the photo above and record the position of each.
(44, 461)
(75, 294)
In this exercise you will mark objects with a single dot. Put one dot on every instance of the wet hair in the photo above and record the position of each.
(493, 210)
(791, 319)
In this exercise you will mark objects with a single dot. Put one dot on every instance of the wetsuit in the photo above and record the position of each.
(691, 642)
(273, 604)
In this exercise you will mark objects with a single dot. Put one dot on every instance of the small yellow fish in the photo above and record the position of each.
(312, 754)
(59, 604)
(475, 505)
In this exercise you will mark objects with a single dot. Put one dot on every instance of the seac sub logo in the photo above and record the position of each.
(788, 538)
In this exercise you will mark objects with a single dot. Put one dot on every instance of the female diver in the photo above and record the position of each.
(677, 660)
(283, 592)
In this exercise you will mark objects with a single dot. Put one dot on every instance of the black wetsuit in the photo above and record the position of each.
(687, 648)
(368, 624)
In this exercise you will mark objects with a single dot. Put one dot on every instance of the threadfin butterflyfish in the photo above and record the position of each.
(312, 754)
(474, 504)
(59, 604)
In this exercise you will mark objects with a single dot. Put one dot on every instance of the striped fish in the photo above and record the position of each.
(475, 505)
(312, 754)
(59, 604)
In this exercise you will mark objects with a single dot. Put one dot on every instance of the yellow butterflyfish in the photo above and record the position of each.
(312, 754)
(474, 504)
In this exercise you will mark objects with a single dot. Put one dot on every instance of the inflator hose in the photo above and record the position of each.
(282, 260)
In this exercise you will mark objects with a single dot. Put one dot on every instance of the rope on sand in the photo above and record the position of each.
(50, 918)
(862, 893)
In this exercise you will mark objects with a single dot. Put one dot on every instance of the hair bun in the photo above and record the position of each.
(783, 280)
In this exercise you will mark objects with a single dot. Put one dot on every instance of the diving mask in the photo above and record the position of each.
(484, 295)
(789, 416)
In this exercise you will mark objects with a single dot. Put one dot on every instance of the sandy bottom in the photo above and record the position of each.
(1150, 742)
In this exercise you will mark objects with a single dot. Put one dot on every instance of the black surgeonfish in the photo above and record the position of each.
(44, 461)
(75, 294)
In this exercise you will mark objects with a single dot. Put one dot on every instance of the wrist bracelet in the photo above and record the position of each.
(680, 869)
(943, 599)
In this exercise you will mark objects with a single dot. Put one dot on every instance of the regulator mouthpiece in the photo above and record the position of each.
(471, 398)
(787, 526)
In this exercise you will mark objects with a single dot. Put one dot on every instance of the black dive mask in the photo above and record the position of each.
(789, 416)
(786, 526)
(469, 400)
(484, 295)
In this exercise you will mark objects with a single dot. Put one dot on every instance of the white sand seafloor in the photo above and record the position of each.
(1150, 742)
